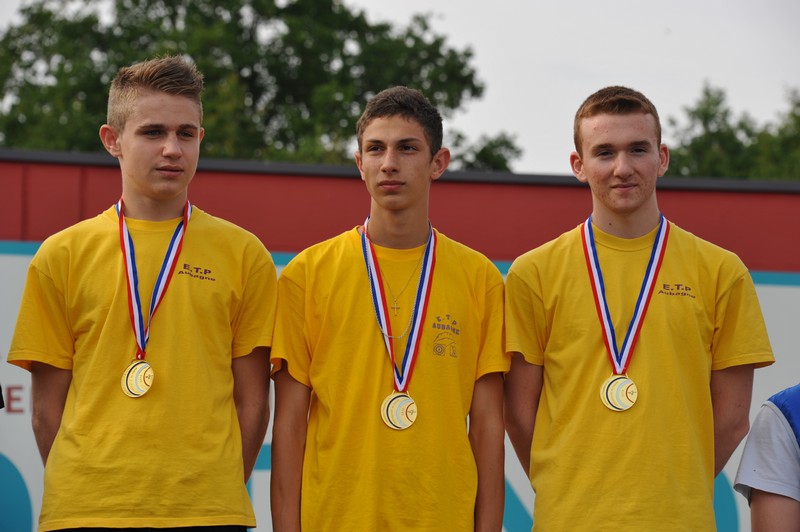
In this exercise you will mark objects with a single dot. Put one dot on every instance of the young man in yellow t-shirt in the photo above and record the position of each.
(633, 344)
(388, 357)
(146, 330)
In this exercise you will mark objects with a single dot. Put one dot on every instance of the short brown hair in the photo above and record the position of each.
(169, 74)
(408, 103)
(614, 100)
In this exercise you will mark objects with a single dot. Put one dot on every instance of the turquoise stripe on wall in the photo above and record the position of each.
(11, 247)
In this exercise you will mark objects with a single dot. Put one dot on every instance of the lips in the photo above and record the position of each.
(390, 185)
(170, 170)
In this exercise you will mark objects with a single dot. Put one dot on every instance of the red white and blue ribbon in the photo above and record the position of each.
(621, 357)
(141, 331)
(402, 376)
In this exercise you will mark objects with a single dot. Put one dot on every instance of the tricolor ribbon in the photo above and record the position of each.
(140, 331)
(621, 358)
(402, 376)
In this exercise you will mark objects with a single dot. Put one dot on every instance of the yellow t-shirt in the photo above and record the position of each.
(650, 467)
(359, 474)
(172, 457)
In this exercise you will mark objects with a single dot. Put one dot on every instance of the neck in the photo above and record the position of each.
(137, 208)
(397, 230)
(628, 225)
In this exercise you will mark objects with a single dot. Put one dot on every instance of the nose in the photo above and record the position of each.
(623, 166)
(171, 147)
(389, 162)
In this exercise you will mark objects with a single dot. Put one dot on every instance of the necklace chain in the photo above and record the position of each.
(395, 307)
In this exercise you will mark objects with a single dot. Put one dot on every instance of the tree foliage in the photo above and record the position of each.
(714, 143)
(488, 153)
(285, 80)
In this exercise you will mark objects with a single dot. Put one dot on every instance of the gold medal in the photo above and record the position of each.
(398, 411)
(137, 378)
(618, 393)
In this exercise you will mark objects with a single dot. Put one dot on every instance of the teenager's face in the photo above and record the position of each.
(158, 148)
(396, 164)
(621, 161)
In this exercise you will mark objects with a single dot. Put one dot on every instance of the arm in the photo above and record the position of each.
(486, 437)
(251, 396)
(523, 388)
(770, 512)
(49, 387)
(731, 391)
(292, 400)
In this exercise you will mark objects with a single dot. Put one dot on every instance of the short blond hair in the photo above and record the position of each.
(168, 74)
(614, 100)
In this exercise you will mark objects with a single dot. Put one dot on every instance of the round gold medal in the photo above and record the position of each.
(137, 378)
(398, 411)
(618, 393)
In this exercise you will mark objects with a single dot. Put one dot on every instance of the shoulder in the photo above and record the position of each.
(86, 235)
(243, 249)
(712, 260)
(791, 394)
(684, 239)
(330, 252)
(205, 222)
(788, 402)
(557, 249)
(464, 257)
(223, 234)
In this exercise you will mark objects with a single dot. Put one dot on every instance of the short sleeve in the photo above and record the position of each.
(289, 345)
(525, 328)
(740, 333)
(43, 332)
(771, 458)
(493, 357)
(255, 319)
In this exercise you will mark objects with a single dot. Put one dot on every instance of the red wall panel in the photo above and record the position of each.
(11, 200)
(53, 198)
(502, 220)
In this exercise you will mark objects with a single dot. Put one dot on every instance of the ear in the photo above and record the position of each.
(576, 164)
(663, 156)
(439, 163)
(357, 155)
(110, 140)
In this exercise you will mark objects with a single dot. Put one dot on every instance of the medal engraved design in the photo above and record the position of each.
(398, 411)
(137, 378)
(618, 393)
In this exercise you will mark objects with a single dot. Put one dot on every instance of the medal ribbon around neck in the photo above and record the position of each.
(402, 377)
(141, 332)
(621, 358)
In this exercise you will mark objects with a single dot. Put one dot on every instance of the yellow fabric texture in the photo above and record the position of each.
(172, 457)
(358, 473)
(650, 467)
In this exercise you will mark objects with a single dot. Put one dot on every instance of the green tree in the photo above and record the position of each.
(488, 153)
(714, 143)
(285, 80)
(777, 147)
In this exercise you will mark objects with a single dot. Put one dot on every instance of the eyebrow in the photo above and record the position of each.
(162, 126)
(398, 141)
(634, 144)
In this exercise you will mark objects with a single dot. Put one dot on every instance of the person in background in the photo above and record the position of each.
(769, 471)
(634, 344)
(388, 357)
(146, 330)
